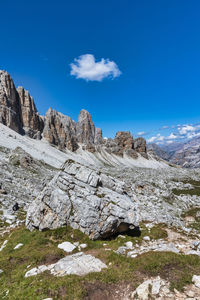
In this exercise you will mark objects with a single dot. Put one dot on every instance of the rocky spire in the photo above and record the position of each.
(60, 130)
(32, 123)
(9, 103)
(18, 111)
(85, 129)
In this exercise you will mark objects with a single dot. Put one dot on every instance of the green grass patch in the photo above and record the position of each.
(41, 248)
(194, 191)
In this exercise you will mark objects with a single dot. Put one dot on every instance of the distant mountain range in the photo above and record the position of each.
(184, 154)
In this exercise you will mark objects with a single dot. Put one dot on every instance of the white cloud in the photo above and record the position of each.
(86, 67)
(185, 128)
(172, 136)
(157, 138)
(141, 133)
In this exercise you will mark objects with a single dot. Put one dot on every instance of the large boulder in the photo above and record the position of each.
(84, 199)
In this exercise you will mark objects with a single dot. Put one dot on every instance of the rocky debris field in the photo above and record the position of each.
(105, 232)
(21, 179)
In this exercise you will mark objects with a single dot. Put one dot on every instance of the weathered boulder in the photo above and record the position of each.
(19, 157)
(60, 130)
(31, 121)
(85, 199)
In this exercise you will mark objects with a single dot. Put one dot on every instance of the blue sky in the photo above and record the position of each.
(151, 52)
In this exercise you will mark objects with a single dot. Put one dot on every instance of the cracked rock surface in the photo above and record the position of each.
(85, 199)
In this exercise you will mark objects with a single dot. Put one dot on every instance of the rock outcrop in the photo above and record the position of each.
(17, 108)
(85, 129)
(78, 264)
(60, 130)
(140, 146)
(78, 196)
(124, 143)
(31, 121)
(9, 103)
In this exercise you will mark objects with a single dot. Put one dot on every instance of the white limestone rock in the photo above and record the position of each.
(67, 246)
(3, 245)
(18, 246)
(196, 280)
(77, 264)
(142, 290)
(85, 199)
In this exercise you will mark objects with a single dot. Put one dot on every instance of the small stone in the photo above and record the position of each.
(18, 246)
(76, 244)
(156, 286)
(121, 236)
(146, 238)
(196, 280)
(142, 290)
(3, 245)
(121, 250)
(190, 293)
(129, 245)
(83, 246)
(195, 243)
(67, 246)
(1, 271)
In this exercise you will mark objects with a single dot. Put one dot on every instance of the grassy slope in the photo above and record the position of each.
(41, 248)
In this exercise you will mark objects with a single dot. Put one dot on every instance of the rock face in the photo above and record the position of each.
(60, 130)
(140, 146)
(124, 143)
(188, 155)
(9, 103)
(85, 129)
(158, 151)
(80, 197)
(17, 108)
(124, 140)
(31, 121)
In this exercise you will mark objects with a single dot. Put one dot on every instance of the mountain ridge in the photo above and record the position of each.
(18, 112)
